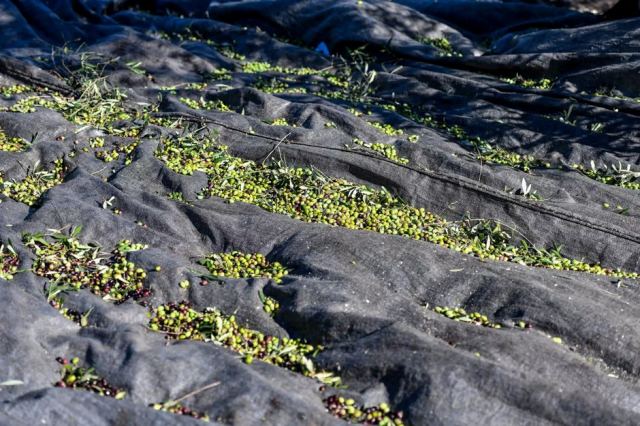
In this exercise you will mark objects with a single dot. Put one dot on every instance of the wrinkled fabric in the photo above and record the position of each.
(366, 297)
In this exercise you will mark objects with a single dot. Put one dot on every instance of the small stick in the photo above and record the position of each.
(197, 391)
(276, 147)
(98, 171)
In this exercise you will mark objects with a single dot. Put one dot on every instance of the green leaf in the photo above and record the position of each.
(84, 319)
(12, 382)
(76, 231)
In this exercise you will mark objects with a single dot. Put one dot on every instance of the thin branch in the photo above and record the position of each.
(197, 391)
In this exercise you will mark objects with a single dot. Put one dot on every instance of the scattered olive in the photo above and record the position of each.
(9, 262)
(80, 318)
(387, 151)
(617, 175)
(76, 377)
(206, 105)
(346, 409)
(387, 129)
(177, 408)
(270, 305)
(180, 321)
(12, 144)
(15, 89)
(459, 314)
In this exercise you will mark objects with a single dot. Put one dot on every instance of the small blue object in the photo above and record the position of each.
(323, 49)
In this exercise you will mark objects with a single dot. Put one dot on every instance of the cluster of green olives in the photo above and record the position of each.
(76, 377)
(180, 321)
(387, 151)
(308, 195)
(177, 408)
(348, 410)
(38, 181)
(237, 264)
(63, 259)
(9, 262)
